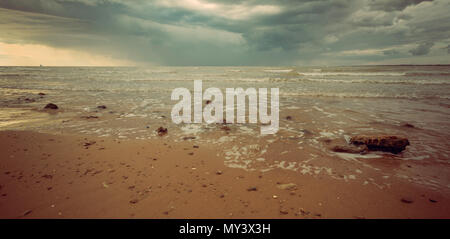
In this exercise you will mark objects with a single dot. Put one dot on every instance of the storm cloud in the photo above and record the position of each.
(238, 32)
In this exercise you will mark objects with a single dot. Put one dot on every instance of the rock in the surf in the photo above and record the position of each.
(352, 149)
(387, 143)
(162, 131)
(51, 106)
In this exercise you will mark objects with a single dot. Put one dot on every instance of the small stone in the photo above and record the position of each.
(408, 125)
(134, 201)
(284, 212)
(51, 106)
(188, 137)
(105, 185)
(162, 131)
(226, 128)
(432, 200)
(102, 107)
(27, 212)
(219, 172)
(287, 186)
(252, 189)
(406, 200)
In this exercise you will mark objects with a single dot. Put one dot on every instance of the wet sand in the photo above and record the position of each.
(79, 176)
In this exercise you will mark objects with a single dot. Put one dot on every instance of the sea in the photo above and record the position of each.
(319, 107)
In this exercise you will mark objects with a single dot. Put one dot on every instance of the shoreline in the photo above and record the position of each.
(73, 176)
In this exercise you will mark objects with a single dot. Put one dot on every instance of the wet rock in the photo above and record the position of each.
(307, 133)
(89, 143)
(162, 131)
(134, 201)
(408, 125)
(287, 186)
(27, 212)
(51, 106)
(101, 107)
(284, 212)
(387, 143)
(188, 137)
(225, 128)
(406, 200)
(352, 149)
(47, 176)
(89, 117)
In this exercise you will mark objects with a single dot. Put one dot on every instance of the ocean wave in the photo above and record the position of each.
(351, 73)
(363, 95)
(427, 74)
(278, 70)
(13, 74)
(386, 81)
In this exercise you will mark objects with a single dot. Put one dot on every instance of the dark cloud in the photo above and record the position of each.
(422, 49)
(238, 32)
(393, 5)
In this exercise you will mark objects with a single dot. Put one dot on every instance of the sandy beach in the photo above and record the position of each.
(88, 142)
(69, 176)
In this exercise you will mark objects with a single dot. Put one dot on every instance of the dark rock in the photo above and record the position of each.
(352, 149)
(41, 94)
(47, 176)
(387, 143)
(252, 189)
(89, 117)
(134, 201)
(51, 106)
(102, 107)
(162, 131)
(27, 212)
(208, 102)
(188, 137)
(432, 200)
(284, 212)
(406, 200)
(226, 128)
(87, 144)
(288, 117)
(407, 125)
(307, 133)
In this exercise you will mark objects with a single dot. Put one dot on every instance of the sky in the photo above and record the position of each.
(224, 32)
